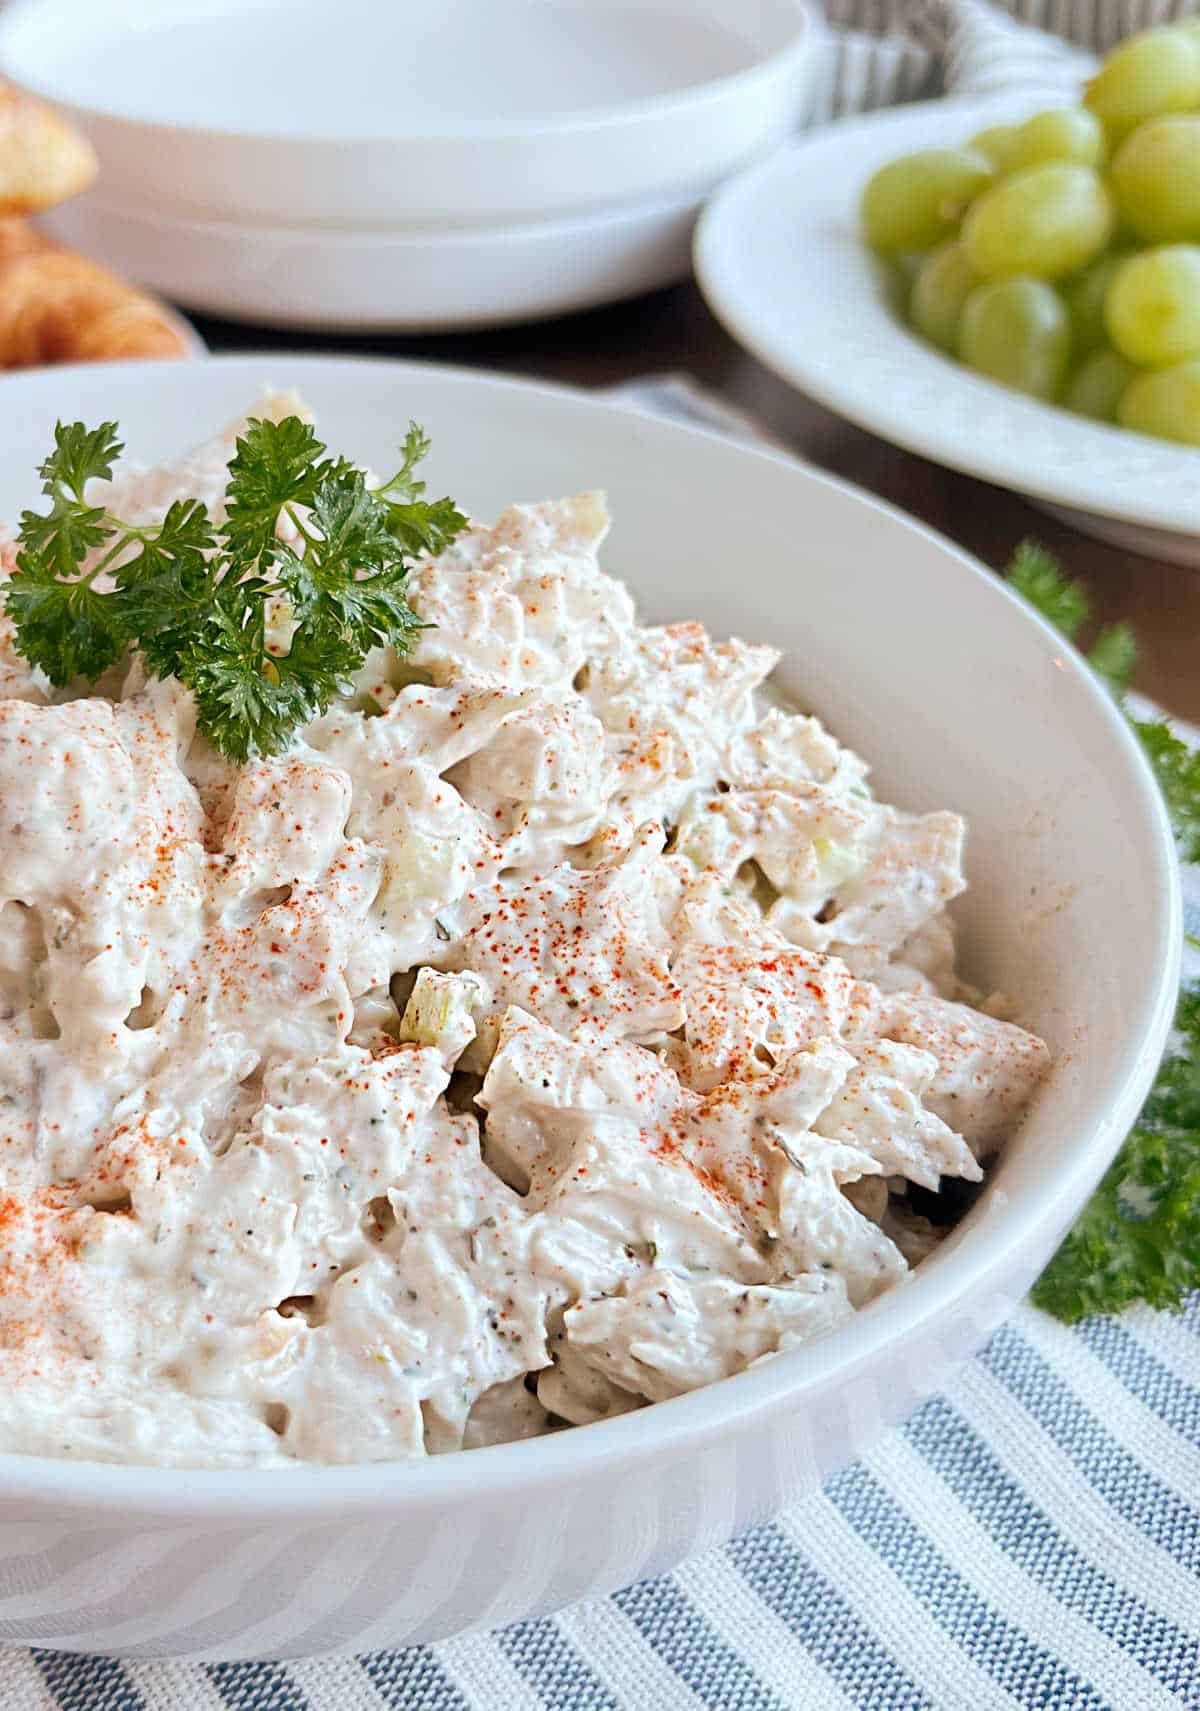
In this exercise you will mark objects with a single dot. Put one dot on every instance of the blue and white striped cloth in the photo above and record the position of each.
(1029, 1541)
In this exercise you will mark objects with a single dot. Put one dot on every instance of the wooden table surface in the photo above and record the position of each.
(674, 330)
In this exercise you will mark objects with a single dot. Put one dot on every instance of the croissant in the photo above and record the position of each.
(42, 160)
(18, 237)
(56, 306)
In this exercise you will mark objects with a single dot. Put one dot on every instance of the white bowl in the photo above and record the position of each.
(362, 114)
(781, 261)
(961, 696)
(415, 281)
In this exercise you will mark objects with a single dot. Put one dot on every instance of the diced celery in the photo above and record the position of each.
(836, 863)
(418, 871)
(439, 1009)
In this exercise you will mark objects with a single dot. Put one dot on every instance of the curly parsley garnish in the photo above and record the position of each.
(1138, 1238)
(206, 604)
(1035, 573)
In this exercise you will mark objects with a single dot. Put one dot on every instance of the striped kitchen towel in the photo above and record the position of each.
(1029, 1541)
(880, 52)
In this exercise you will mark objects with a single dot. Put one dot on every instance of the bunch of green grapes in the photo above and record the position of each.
(1062, 256)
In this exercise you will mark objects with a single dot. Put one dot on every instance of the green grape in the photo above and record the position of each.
(939, 291)
(1165, 403)
(897, 273)
(906, 267)
(1152, 310)
(1156, 179)
(1061, 133)
(1084, 296)
(1017, 331)
(916, 202)
(1046, 221)
(1157, 72)
(1098, 385)
(998, 144)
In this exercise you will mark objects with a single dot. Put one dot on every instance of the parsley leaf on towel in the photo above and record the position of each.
(1138, 1238)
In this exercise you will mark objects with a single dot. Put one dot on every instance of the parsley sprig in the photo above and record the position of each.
(1035, 573)
(1138, 1238)
(207, 603)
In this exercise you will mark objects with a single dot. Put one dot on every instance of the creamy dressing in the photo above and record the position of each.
(558, 1026)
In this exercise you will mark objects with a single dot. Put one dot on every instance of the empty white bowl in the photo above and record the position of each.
(961, 697)
(422, 111)
(411, 281)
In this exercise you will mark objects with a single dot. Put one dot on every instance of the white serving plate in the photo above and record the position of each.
(361, 114)
(779, 258)
(417, 281)
(961, 696)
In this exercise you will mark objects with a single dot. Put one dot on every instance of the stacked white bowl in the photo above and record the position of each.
(407, 164)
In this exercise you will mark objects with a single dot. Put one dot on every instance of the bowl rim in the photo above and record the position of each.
(312, 1491)
(599, 221)
(1002, 461)
(764, 68)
